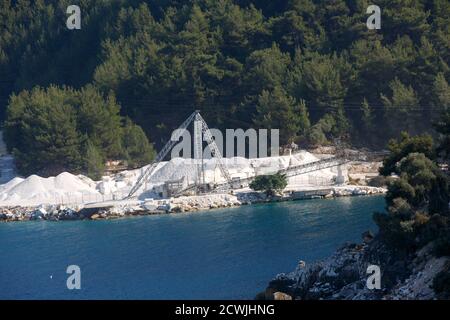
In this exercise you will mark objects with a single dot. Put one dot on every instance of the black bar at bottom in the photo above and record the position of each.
(227, 309)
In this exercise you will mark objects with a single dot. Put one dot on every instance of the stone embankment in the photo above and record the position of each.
(173, 205)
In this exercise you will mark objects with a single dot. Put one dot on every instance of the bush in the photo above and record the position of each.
(400, 188)
(405, 146)
(434, 229)
(401, 209)
(318, 133)
(271, 184)
(396, 233)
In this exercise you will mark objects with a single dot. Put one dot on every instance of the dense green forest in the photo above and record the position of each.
(310, 68)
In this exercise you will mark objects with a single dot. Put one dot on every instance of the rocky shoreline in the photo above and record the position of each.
(343, 276)
(173, 205)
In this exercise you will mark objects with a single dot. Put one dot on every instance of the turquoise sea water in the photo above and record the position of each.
(219, 254)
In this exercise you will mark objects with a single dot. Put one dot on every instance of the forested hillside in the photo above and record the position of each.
(310, 68)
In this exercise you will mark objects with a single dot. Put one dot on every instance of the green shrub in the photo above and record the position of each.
(400, 188)
(271, 184)
(396, 233)
(405, 146)
(436, 228)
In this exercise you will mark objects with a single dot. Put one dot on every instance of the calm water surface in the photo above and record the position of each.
(219, 254)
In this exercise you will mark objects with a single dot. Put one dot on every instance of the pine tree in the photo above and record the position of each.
(99, 119)
(297, 27)
(138, 151)
(93, 161)
(277, 110)
(402, 111)
(405, 17)
(42, 131)
(303, 118)
(218, 56)
(60, 129)
(266, 69)
(322, 85)
(366, 117)
(441, 93)
(442, 126)
(322, 130)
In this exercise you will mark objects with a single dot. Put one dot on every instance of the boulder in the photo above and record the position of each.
(281, 296)
(68, 214)
(38, 214)
(95, 216)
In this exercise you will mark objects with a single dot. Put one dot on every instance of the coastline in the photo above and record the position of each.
(174, 205)
(241, 248)
(343, 275)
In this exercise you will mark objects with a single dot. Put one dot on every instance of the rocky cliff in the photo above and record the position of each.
(344, 275)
